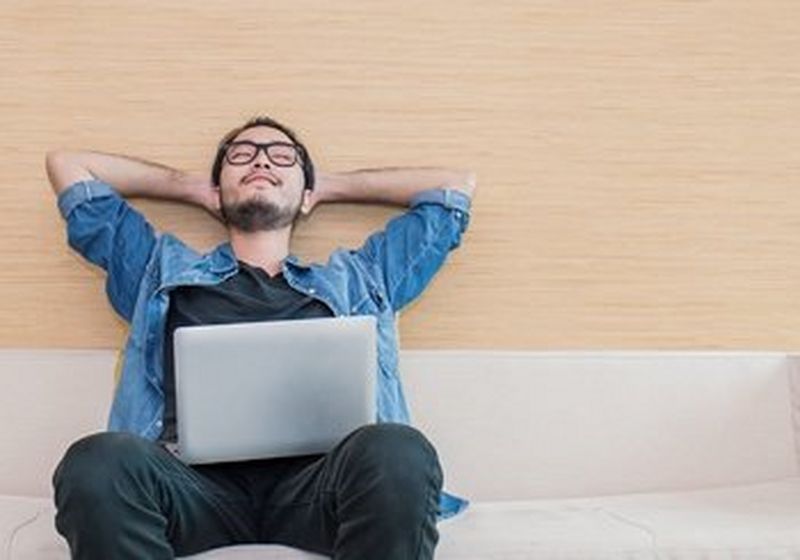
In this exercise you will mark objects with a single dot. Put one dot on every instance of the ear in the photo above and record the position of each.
(308, 202)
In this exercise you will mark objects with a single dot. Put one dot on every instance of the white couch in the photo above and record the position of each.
(630, 455)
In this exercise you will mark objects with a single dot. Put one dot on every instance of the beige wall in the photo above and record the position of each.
(638, 162)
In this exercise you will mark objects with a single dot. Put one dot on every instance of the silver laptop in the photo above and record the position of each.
(272, 389)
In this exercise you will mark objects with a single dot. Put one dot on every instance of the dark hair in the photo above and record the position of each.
(305, 157)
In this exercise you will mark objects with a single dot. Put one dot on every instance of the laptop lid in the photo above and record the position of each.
(269, 389)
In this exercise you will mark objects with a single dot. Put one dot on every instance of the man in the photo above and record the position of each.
(122, 494)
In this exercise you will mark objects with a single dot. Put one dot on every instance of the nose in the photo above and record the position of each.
(261, 158)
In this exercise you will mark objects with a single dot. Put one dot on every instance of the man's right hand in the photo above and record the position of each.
(132, 177)
(204, 194)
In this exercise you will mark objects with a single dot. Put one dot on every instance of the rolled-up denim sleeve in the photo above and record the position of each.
(413, 246)
(110, 233)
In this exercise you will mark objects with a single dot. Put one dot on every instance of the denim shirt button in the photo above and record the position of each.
(311, 290)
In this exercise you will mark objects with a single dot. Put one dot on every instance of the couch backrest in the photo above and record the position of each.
(507, 425)
(558, 424)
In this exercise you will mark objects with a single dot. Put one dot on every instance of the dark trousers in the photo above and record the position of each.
(374, 496)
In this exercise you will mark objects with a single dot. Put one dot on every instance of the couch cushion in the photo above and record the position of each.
(754, 521)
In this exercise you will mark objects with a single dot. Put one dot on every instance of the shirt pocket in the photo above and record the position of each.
(370, 300)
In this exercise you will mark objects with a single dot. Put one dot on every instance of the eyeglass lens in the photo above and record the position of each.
(241, 153)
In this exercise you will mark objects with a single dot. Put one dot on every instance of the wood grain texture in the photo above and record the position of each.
(638, 162)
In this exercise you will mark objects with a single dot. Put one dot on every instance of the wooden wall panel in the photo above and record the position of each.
(638, 162)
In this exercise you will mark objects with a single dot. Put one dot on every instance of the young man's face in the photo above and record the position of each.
(262, 194)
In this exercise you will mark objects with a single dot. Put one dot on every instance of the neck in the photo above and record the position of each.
(264, 249)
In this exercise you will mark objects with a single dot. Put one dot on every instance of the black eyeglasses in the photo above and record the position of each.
(282, 154)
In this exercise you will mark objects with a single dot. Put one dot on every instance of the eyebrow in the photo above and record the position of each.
(262, 143)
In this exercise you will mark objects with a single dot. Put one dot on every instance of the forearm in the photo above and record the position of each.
(393, 185)
(130, 176)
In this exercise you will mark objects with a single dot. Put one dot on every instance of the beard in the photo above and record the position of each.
(257, 214)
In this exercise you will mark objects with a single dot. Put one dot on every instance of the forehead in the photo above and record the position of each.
(263, 134)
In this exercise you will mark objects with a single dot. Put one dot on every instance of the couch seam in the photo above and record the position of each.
(794, 403)
(625, 520)
(10, 544)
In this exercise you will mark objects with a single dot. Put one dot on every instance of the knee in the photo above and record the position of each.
(92, 461)
(399, 452)
(395, 470)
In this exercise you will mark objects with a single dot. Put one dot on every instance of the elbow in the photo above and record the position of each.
(55, 158)
(63, 169)
(53, 164)
(51, 158)
(468, 184)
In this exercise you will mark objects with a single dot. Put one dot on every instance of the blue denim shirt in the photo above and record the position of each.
(142, 265)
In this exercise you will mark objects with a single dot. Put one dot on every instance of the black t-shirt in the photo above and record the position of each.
(249, 295)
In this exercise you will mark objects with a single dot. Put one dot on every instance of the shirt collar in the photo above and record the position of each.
(223, 259)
